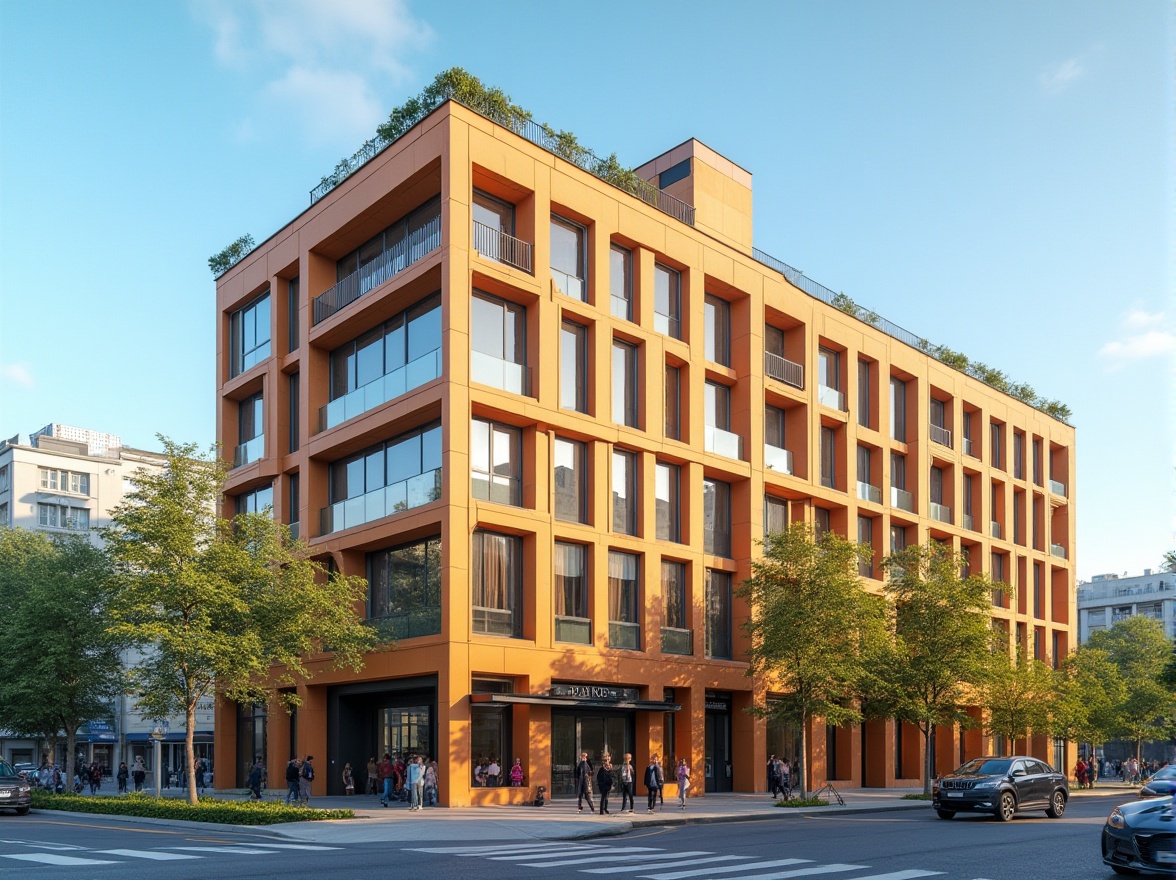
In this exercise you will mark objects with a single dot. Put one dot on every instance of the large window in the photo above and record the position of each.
(624, 627)
(498, 340)
(717, 418)
(569, 249)
(673, 402)
(62, 516)
(829, 370)
(1018, 455)
(257, 501)
(776, 454)
(293, 439)
(898, 409)
(718, 614)
(405, 588)
(828, 457)
(391, 250)
(250, 430)
(673, 584)
(496, 462)
(865, 537)
(498, 584)
(573, 366)
(775, 515)
(572, 622)
(997, 445)
(624, 492)
(667, 483)
(57, 481)
(620, 282)
(495, 213)
(717, 339)
(292, 307)
(490, 728)
(667, 301)
(864, 389)
(249, 335)
(716, 517)
(571, 481)
(624, 384)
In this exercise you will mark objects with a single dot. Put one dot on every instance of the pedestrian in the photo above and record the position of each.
(416, 782)
(386, 771)
(604, 783)
(516, 774)
(201, 767)
(254, 781)
(773, 777)
(683, 774)
(138, 772)
(786, 774)
(661, 781)
(431, 784)
(95, 777)
(121, 776)
(628, 781)
(292, 775)
(653, 782)
(493, 772)
(372, 783)
(1080, 773)
(305, 778)
(348, 779)
(584, 784)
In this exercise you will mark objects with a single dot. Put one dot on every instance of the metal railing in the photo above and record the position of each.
(788, 372)
(677, 641)
(995, 529)
(624, 635)
(415, 246)
(295, 530)
(1057, 550)
(493, 244)
(777, 459)
(940, 512)
(941, 435)
(902, 499)
(667, 325)
(541, 135)
(968, 447)
(723, 443)
(968, 522)
(866, 492)
(1057, 488)
(831, 398)
(408, 624)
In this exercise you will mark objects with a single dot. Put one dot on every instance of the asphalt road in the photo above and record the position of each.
(881, 846)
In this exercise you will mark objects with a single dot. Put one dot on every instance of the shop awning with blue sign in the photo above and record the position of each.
(172, 736)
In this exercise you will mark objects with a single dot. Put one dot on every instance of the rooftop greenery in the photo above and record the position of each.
(223, 261)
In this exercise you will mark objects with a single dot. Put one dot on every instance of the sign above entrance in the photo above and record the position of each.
(595, 692)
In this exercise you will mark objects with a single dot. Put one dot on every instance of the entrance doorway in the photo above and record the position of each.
(717, 771)
(598, 734)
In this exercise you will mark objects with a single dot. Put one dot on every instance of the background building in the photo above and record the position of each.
(549, 418)
(1108, 598)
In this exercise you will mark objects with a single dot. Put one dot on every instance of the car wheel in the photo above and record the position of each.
(21, 811)
(945, 814)
(1007, 807)
(1057, 805)
(1119, 869)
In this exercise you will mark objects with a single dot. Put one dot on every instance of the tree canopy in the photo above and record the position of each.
(1017, 697)
(1141, 652)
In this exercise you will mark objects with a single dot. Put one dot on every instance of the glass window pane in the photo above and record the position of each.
(424, 328)
(573, 379)
(570, 489)
(487, 328)
(620, 282)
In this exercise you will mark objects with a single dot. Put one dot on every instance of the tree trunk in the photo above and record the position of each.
(71, 756)
(802, 765)
(928, 766)
(189, 744)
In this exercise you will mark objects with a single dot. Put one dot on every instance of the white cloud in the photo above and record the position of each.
(17, 374)
(1060, 76)
(1145, 335)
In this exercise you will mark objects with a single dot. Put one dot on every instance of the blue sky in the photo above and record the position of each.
(1007, 161)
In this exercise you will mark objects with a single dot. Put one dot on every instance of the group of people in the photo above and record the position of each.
(779, 777)
(606, 777)
(138, 773)
(299, 775)
(488, 773)
(398, 779)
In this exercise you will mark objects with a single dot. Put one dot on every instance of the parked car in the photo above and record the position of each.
(1160, 784)
(15, 791)
(1001, 786)
(1140, 838)
(25, 769)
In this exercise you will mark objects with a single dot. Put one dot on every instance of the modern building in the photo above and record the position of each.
(1108, 598)
(66, 481)
(549, 418)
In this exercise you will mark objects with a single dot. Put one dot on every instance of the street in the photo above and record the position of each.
(875, 846)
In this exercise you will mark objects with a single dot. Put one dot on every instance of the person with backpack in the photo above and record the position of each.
(584, 784)
(305, 778)
(292, 776)
(138, 772)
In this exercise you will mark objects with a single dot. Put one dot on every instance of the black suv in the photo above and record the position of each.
(14, 790)
(1001, 786)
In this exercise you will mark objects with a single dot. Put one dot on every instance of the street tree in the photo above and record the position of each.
(59, 667)
(1017, 697)
(813, 630)
(232, 605)
(942, 645)
(1087, 696)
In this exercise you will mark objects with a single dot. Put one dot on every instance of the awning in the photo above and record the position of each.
(172, 736)
(573, 702)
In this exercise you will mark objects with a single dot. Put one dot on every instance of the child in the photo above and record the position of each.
(516, 774)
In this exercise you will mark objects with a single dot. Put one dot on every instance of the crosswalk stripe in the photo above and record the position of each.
(239, 850)
(154, 855)
(54, 859)
(663, 866)
(609, 857)
(301, 846)
(486, 850)
(912, 874)
(806, 872)
(728, 869)
(576, 850)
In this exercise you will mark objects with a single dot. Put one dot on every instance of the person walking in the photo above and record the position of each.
(431, 784)
(627, 779)
(416, 782)
(95, 777)
(254, 780)
(138, 773)
(604, 783)
(121, 776)
(305, 778)
(292, 771)
(348, 779)
(372, 782)
(683, 774)
(773, 777)
(387, 769)
(653, 782)
(661, 780)
(584, 784)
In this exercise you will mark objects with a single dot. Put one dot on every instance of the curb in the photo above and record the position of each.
(261, 830)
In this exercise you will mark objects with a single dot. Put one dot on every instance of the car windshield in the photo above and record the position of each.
(985, 767)
(1165, 773)
(6, 769)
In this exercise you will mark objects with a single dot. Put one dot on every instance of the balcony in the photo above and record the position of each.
(250, 450)
(777, 459)
(626, 636)
(413, 248)
(386, 501)
(866, 492)
(391, 385)
(996, 529)
(677, 641)
(1057, 488)
(940, 512)
(573, 629)
(968, 447)
(667, 325)
(786, 371)
(969, 523)
(621, 307)
(408, 624)
(941, 435)
(723, 443)
(831, 398)
(505, 375)
(568, 285)
(902, 499)
(1057, 550)
(502, 248)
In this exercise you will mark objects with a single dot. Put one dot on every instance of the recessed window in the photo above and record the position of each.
(997, 445)
(673, 583)
(569, 247)
(404, 588)
(573, 366)
(620, 268)
(667, 301)
(624, 384)
(624, 626)
(572, 622)
(498, 343)
(716, 517)
(62, 516)
(718, 614)
(571, 480)
(624, 492)
(828, 457)
(717, 338)
(898, 409)
(496, 466)
(673, 402)
(865, 393)
(497, 584)
(864, 537)
(293, 304)
(822, 522)
(775, 515)
(250, 430)
(249, 335)
(667, 482)
(257, 501)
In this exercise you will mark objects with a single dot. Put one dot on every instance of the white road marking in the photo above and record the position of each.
(573, 851)
(64, 847)
(901, 875)
(627, 854)
(664, 866)
(807, 872)
(154, 855)
(239, 850)
(52, 859)
(728, 869)
(305, 846)
(485, 850)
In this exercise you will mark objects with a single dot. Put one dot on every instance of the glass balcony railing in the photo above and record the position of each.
(902, 499)
(386, 501)
(408, 624)
(996, 529)
(968, 447)
(1057, 550)
(496, 245)
(777, 459)
(295, 530)
(621, 307)
(940, 435)
(866, 492)
(969, 523)
(388, 387)
(505, 375)
(624, 635)
(667, 325)
(1057, 488)
(250, 450)
(940, 513)
(573, 629)
(677, 641)
(831, 398)
(786, 371)
(724, 443)
(568, 285)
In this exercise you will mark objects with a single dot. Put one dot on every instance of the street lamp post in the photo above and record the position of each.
(157, 739)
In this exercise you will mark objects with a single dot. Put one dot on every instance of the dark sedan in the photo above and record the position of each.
(1002, 787)
(1140, 838)
(15, 791)
(1161, 784)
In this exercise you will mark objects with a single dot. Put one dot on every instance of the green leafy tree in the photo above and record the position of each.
(813, 630)
(224, 260)
(942, 645)
(1089, 691)
(1017, 697)
(59, 666)
(233, 605)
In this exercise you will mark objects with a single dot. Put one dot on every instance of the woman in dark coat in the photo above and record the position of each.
(604, 783)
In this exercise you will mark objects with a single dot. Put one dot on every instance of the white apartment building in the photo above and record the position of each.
(1106, 599)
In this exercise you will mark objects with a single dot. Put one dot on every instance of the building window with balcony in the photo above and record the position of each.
(940, 433)
(822, 522)
(718, 615)
(776, 365)
(667, 487)
(939, 509)
(294, 505)
(496, 465)
(966, 428)
(969, 517)
(498, 342)
(775, 515)
(1018, 455)
(898, 396)
(1039, 593)
(717, 418)
(249, 335)
(897, 539)
(62, 516)
(293, 304)
(4, 516)
(387, 361)
(624, 384)
(258, 500)
(667, 301)
(828, 457)
(404, 589)
(498, 584)
(999, 577)
(494, 230)
(250, 430)
(673, 402)
(572, 623)
(385, 479)
(899, 496)
(867, 491)
(571, 481)
(677, 631)
(624, 492)
(716, 517)
(997, 510)
(569, 250)
(865, 537)
(382, 256)
(573, 366)
(997, 446)
(829, 379)
(717, 338)
(776, 455)
(620, 282)
(624, 625)
(865, 392)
